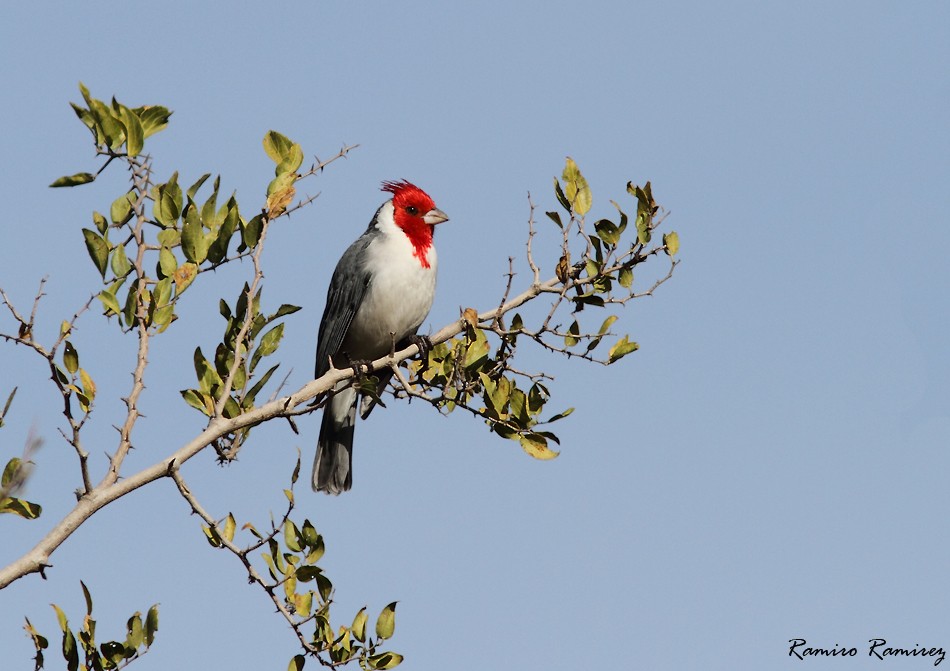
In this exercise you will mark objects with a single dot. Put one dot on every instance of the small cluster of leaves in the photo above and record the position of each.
(13, 478)
(85, 654)
(290, 556)
(287, 156)
(245, 322)
(113, 126)
(189, 235)
(250, 345)
(189, 238)
(465, 370)
(606, 262)
(73, 379)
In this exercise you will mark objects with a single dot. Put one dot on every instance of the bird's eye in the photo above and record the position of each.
(412, 210)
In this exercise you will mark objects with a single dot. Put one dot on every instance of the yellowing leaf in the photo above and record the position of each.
(622, 348)
(672, 242)
(537, 447)
(184, 275)
(359, 625)
(279, 199)
(575, 188)
(386, 623)
(230, 525)
(88, 386)
(625, 278)
(470, 315)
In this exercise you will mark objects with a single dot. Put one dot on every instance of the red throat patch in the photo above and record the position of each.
(410, 205)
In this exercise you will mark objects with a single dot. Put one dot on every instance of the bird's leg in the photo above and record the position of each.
(360, 368)
(424, 343)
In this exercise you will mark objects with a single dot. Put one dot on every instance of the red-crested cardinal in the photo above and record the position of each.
(379, 295)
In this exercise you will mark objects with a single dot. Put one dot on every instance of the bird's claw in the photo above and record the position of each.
(424, 343)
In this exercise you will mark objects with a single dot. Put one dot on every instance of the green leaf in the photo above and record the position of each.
(6, 406)
(477, 350)
(136, 632)
(131, 303)
(560, 415)
(169, 237)
(219, 248)
(162, 293)
(621, 349)
(575, 188)
(74, 180)
(153, 118)
(386, 622)
(291, 536)
(212, 535)
(277, 146)
(100, 221)
(167, 262)
(283, 310)
(607, 231)
(607, 324)
(98, 250)
(87, 596)
(197, 400)
(110, 302)
(151, 625)
(626, 277)
(134, 133)
(561, 198)
(120, 262)
(70, 358)
(208, 216)
(256, 389)
(358, 628)
(573, 331)
(296, 664)
(270, 341)
(109, 128)
(208, 379)
(517, 403)
(25, 509)
(85, 117)
(384, 660)
(61, 618)
(121, 209)
(168, 201)
(291, 160)
(251, 231)
(672, 243)
(193, 241)
(554, 216)
(193, 189)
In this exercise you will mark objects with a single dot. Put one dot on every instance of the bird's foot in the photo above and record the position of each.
(424, 343)
(361, 368)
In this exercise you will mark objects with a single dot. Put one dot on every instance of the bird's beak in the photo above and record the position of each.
(435, 216)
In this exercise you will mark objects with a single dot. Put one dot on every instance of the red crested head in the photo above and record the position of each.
(415, 213)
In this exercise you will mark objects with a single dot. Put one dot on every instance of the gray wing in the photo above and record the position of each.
(344, 297)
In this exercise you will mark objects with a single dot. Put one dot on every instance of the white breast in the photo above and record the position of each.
(399, 296)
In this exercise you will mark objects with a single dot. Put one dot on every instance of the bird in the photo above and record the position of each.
(380, 293)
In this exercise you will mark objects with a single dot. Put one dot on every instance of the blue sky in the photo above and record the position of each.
(770, 465)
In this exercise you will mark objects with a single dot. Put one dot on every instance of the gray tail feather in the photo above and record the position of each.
(333, 464)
